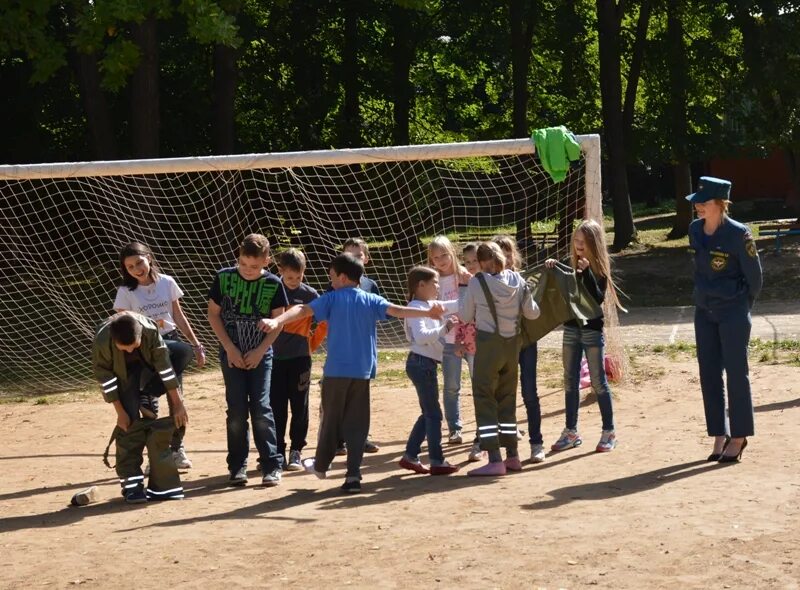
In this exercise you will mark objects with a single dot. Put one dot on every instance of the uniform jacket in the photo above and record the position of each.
(109, 362)
(727, 269)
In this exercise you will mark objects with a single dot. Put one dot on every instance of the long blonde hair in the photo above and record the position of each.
(509, 247)
(599, 260)
(443, 243)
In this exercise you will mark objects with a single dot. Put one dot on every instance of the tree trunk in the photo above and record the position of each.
(402, 58)
(678, 68)
(635, 69)
(98, 118)
(144, 90)
(350, 134)
(225, 79)
(521, 36)
(609, 16)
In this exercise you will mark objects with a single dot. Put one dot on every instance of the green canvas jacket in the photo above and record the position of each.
(108, 361)
(561, 297)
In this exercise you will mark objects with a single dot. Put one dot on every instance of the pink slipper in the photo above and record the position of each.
(513, 464)
(490, 469)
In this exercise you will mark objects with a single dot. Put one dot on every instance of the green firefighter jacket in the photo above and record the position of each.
(560, 297)
(109, 362)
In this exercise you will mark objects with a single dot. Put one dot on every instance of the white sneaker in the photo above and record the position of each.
(180, 458)
(475, 453)
(537, 453)
(310, 467)
(455, 438)
(295, 461)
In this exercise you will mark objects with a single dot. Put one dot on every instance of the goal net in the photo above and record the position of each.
(63, 226)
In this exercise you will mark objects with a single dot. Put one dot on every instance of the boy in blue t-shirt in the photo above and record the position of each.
(238, 299)
(352, 359)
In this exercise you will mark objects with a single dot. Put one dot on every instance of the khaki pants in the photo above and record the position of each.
(494, 390)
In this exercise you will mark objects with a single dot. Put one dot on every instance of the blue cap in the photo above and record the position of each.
(709, 188)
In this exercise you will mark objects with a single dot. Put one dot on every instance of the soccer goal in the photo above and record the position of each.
(64, 224)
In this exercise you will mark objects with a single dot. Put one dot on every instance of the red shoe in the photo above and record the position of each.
(490, 469)
(415, 467)
(513, 464)
(444, 469)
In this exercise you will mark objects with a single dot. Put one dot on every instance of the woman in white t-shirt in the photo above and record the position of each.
(453, 279)
(157, 296)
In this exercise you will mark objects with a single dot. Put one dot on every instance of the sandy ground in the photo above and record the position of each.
(652, 514)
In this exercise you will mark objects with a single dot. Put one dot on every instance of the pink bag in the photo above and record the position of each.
(611, 371)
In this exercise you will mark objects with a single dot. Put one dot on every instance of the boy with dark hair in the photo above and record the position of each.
(352, 315)
(360, 250)
(291, 369)
(239, 297)
(126, 348)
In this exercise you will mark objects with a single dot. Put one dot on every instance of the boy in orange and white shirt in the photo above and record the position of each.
(291, 368)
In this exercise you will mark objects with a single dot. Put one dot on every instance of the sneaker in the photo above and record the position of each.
(413, 465)
(310, 466)
(489, 470)
(295, 461)
(537, 453)
(371, 447)
(475, 452)
(608, 440)
(239, 478)
(568, 440)
(272, 478)
(513, 464)
(85, 497)
(342, 450)
(136, 496)
(455, 438)
(180, 458)
(352, 487)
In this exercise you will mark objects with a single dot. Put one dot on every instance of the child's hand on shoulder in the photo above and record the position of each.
(463, 276)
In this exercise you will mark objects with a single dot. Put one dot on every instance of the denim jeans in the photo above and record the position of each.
(247, 393)
(451, 372)
(422, 372)
(579, 341)
(722, 337)
(528, 358)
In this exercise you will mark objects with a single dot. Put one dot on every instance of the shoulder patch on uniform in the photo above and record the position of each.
(750, 248)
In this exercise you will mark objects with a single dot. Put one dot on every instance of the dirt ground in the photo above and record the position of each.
(652, 514)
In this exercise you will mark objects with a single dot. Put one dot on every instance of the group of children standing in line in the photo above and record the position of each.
(264, 325)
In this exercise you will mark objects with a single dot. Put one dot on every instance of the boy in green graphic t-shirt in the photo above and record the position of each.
(238, 299)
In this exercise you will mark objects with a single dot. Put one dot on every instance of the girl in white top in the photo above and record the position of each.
(157, 296)
(426, 337)
(453, 279)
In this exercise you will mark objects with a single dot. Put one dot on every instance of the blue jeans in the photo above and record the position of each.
(451, 372)
(528, 358)
(247, 393)
(722, 337)
(422, 372)
(578, 341)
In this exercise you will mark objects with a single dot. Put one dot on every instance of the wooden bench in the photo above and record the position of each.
(778, 230)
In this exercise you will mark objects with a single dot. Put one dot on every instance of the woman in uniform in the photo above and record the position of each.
(727, 280)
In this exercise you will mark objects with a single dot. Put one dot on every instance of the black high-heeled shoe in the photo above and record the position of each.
(734, 458)
(718, 456)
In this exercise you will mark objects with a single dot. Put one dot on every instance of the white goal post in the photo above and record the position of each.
(63, 225)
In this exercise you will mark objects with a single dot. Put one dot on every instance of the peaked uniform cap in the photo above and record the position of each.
(709, 188)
